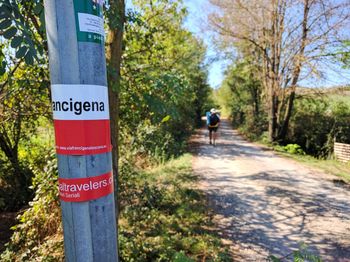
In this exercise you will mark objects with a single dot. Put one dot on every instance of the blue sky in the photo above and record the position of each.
(196, 22)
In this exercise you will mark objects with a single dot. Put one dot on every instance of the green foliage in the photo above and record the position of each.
(163, 93)
(39, 234)
(24, 100)
(14, 193)
(241, 97)
(163, 78)
(301, 255)
(32, 150)
(315, 124)
(162, 218)
(8, 193)
(291, 149)
(24, 97)
(23, 24)
(150, 144)
(345, 54)
(24, 93)
(181, 257)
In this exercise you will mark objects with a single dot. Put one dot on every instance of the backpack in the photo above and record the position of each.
(213, 120)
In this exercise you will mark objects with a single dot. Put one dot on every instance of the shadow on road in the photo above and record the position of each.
(266, 205)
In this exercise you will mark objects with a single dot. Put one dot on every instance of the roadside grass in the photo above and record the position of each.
(164, 219)
(334, 167)
(294, 151)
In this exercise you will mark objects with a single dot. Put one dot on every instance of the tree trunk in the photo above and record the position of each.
(284, 129)
(116, 20)
(273, 115)
(296, 73)
(198, 114)
(254, 91)
(21, 178)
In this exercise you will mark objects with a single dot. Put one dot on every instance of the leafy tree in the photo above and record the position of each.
(158, 84)
(163, 77)
(116, 19)
(345, 54)
(241, 93)
(23, 90)
(317, 122)
(39, 236)
(23, 102)
(22, 23)
(289, 39)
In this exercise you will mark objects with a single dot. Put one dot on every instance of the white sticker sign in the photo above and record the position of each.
(80, 102)
(91, 24)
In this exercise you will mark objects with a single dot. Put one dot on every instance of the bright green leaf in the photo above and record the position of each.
(166, 119)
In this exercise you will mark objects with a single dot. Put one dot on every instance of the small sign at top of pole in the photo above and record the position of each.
(89, 21)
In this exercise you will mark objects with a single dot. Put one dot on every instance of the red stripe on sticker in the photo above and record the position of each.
(82, 137)
(85, 189)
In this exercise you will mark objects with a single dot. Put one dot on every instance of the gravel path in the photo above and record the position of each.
(265, 205)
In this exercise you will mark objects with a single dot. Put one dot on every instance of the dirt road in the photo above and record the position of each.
(266, 205)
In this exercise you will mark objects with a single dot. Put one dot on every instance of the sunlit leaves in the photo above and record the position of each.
(24, 96)
(166, 119)
(164, 77)
(22, 23)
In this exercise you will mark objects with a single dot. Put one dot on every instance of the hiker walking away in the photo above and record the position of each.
(213, 121)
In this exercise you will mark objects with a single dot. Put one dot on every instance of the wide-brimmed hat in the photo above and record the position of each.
(213, 110)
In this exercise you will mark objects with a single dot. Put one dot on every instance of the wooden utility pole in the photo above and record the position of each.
(75, 36)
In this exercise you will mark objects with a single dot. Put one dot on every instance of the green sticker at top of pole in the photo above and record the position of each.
(89, 20)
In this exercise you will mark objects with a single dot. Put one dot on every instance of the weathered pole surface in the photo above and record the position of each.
(78, 64)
